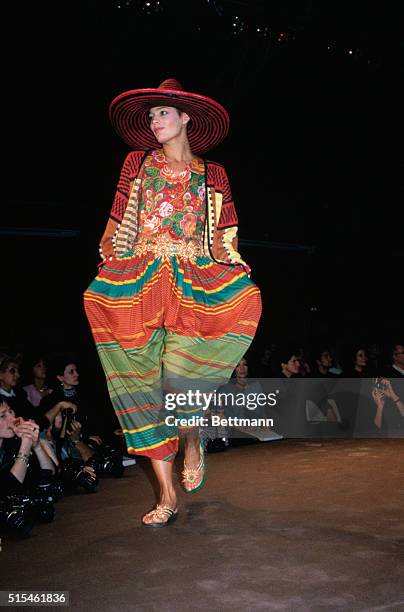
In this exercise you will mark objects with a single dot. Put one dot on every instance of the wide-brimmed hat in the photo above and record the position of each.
(129, 114)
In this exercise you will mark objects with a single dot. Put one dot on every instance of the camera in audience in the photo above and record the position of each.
(75, 476)
(107, 460)
(19, 513)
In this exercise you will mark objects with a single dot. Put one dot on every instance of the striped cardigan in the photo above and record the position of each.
(220, 231)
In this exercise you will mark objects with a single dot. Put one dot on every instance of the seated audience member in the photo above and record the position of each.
(37, 386)
(304, 364)
(389, 415)
(68, 394)
(356, 362)
(263, 367)
(288, 413)
(250, 388)
(336, 366)
(322, 362)
(74, 456)
(23, 460)
(395, 359)
(74, 429)
(241, 386)
(321, 402)
(286, 362)
(16, 396)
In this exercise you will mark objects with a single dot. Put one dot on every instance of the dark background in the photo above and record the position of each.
(313, 156)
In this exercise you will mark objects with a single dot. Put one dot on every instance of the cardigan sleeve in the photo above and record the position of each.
(227, 226)
(127, 175)
(228, 214)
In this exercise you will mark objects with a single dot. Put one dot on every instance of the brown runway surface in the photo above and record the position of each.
(288, 525)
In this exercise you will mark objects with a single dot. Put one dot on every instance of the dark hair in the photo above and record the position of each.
(32, 358)
(282, 355)
(6, 359)
(397, 342)
(318, 349)
(233, 374)
(58, 364)
(389, 349)
(4, 400)
(177, 108)
(29, 361)
(348, 356)
(315, 354)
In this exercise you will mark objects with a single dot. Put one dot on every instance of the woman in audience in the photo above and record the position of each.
(16, 396)
(22, 457)
(37, 388)
(68, 394)
(356, 362)
(75, 429)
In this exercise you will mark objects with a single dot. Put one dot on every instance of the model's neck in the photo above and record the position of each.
(178, 152)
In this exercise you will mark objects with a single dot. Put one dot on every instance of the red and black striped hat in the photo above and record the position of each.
(129, 114)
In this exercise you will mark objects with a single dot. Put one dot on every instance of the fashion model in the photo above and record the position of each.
(172, 309)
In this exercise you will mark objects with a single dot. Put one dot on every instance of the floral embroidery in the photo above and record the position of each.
(188, 224)
(172, 204)
(166, 209)
(150, 225)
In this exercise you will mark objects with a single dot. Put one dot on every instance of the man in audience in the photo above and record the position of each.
(321, 402)
(395, 368)
(322, 362)
(286, 363)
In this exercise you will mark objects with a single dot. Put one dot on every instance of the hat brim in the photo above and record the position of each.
(129, 114)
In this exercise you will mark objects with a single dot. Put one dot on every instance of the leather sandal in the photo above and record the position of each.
(160, 512)
(192, 475)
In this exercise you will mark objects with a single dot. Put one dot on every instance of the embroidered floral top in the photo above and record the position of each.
(172, 203)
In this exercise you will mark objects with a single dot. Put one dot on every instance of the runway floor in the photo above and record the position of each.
(301, 525)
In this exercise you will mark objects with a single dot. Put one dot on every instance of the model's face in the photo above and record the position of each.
(70, 376)
(242, 369)
(40, 370)
(292, 366)
(7, 419)
(361, 358)
(398, 355)
(167, 123)
(10, 376)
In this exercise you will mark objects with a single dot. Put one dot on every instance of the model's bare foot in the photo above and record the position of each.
(163, 513)
(194, 472)
(192, 453)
